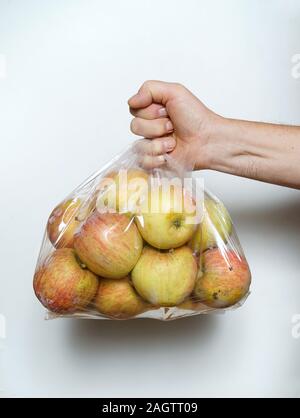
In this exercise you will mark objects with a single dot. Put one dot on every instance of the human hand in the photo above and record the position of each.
(181, 125)
(177, 123)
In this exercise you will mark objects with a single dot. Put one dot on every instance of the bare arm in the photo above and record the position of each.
(180, 124)
(259, 151)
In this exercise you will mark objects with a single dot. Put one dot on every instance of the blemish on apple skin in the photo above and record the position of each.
(216, 295)
(177, 223)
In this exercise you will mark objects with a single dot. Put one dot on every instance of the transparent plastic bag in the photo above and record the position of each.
(135, 243)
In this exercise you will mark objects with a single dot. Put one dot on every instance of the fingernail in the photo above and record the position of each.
(161, 159)
(169, 126)
(170, 144)
(162, 111)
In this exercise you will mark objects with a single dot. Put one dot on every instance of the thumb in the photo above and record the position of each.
(153, 92)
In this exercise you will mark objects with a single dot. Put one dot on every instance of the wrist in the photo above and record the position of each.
(214, 146)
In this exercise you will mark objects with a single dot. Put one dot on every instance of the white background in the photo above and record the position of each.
(69, 68)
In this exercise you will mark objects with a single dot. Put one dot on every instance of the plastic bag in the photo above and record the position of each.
(131, 243)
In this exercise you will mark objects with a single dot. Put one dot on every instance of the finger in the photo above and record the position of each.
(154, 111)
(154, 147)
(151, 128)
(149, 162)
(154, 91)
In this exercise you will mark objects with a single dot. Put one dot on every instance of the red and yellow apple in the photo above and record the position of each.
(165, 278)
(216, 226)
(166, 218)
(62, 284)
(121, 191)
(109, 244)
(225, 281)
(118, 299)
(62, 223)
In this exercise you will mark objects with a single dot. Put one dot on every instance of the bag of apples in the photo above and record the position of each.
(136, 243)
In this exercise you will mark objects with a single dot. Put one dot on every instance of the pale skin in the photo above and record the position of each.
(179, 124)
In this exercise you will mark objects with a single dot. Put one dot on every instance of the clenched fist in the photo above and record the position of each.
(176, 122)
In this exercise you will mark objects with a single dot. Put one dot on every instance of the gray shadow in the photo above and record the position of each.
(107, 334)
(280, 216)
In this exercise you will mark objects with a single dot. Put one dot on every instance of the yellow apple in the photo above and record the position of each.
(62, 223)
(118, 299)
(216, 226)
(121, 191)
(167, 218)
(195, 242)
(165, 278)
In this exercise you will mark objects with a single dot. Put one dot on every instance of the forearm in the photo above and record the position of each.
(259, 151)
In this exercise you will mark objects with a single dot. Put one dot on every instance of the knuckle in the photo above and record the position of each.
(178, 86)
(146, 162)
(156, 148)
(149, 162)
(146, 84)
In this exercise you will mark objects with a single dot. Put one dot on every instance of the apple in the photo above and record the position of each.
(62, 284)
(196, 240)
(121, 191)
(118, 299)
(62, 223)
(216, 226)
(226, 279)
(165, 278)
(191, 304)
(109, 244)
(166, 218)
